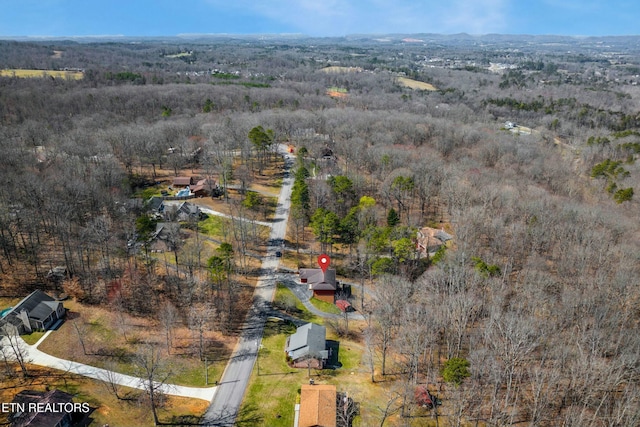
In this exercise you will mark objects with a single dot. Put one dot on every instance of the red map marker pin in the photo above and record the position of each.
(323, 262)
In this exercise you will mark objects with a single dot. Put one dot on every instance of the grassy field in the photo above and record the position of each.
(337, 89)
(214, 226)
(337, 92)
(25, 73)
(414, 84)
(179, 55)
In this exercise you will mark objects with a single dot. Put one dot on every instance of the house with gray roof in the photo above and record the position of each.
(187, 211)
(155, 205)
(307, 347)
(36, 312)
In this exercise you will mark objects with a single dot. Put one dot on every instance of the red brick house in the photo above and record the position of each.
(323, 285)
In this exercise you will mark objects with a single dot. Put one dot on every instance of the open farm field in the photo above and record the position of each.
(58, 74)
(337, 92)
(414, 84)
(338, 69)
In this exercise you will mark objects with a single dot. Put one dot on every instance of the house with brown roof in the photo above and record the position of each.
(204, 187)
(429, 240)
(53, 408)
(317, 408)
(323, 284)
(36, 312)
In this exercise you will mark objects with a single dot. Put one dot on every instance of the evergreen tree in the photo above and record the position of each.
(393, 218)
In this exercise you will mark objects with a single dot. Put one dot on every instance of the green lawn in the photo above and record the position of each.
(33, 337)
(274, 386)
(220, 228)
(194, 374)
(285, 298)
(325, 306)
(214, 225)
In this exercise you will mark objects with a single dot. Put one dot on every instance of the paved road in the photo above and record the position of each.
(225, 406)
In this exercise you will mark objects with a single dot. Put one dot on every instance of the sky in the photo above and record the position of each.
(60, 18)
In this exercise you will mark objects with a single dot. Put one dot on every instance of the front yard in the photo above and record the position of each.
(112, 341)
(274, 386)
(108, 409)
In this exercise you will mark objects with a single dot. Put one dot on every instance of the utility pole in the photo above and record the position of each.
(206, 371)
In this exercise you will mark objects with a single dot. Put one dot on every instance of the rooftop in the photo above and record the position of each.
(308, 340)
(38, 305)
(317, 405)
(319, 280)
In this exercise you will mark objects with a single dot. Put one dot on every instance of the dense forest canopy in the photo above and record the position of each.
(525, 150)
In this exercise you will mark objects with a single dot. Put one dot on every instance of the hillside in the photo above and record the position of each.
(523, 150)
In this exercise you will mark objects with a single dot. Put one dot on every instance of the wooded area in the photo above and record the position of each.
(531, 169)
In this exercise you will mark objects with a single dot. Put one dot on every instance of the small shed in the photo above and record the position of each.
(424, 398)
(344, 305)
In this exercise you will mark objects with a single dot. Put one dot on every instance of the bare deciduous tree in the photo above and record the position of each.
(153, 372)
(168, 316)
(15, 348)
